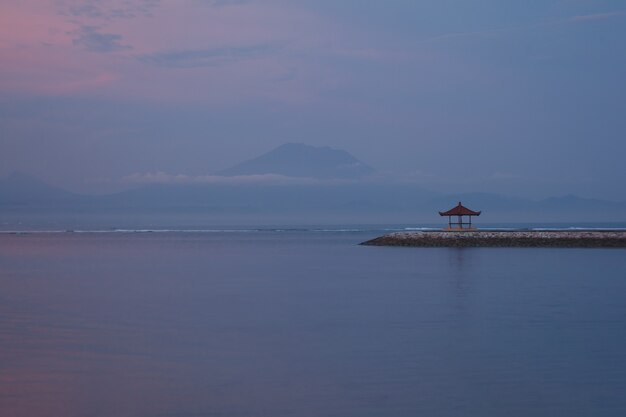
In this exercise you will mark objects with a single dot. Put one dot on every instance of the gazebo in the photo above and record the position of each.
(459, 211)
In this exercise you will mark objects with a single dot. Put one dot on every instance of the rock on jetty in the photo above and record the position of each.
(484, 238)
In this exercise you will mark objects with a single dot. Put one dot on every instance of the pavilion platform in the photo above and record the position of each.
(488, 238)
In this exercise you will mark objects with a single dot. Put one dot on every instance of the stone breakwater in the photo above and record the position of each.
(480, 238)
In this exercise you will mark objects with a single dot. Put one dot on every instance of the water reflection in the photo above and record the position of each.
(461, 271)
(304, 326)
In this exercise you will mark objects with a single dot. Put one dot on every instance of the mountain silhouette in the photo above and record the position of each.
(363, 201)
(299, 160)
(20, 188)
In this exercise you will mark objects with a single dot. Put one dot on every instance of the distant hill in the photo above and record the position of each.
(22, 189)
(299, 160)
(361, 201)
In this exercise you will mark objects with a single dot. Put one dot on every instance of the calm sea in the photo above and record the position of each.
(306, 323)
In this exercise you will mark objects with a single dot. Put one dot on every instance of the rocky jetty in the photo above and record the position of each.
(484, 238)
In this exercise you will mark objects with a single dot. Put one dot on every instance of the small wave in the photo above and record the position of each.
(24, 232)
(504, 229)
(129, 231)
(163, 231)
(173, 231)
(337, 230)
(556, 229)
(290, 230)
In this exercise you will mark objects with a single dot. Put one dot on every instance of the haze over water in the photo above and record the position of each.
(127, 126)
(306, 324)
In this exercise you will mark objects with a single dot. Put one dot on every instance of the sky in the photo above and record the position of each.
(520, 98)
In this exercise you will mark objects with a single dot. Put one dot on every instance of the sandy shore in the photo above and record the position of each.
(479, 238)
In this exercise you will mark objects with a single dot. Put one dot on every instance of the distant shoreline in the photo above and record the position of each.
(488, 238)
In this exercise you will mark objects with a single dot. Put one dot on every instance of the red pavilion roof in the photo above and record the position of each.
(460, 210)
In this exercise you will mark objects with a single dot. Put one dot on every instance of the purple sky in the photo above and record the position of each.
(523, 98)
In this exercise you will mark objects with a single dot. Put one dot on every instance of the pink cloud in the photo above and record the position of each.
(217, 55)
(596, 16)
(50, 70)
(23, 23)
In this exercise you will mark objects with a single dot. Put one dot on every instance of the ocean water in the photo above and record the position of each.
(305, 322)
